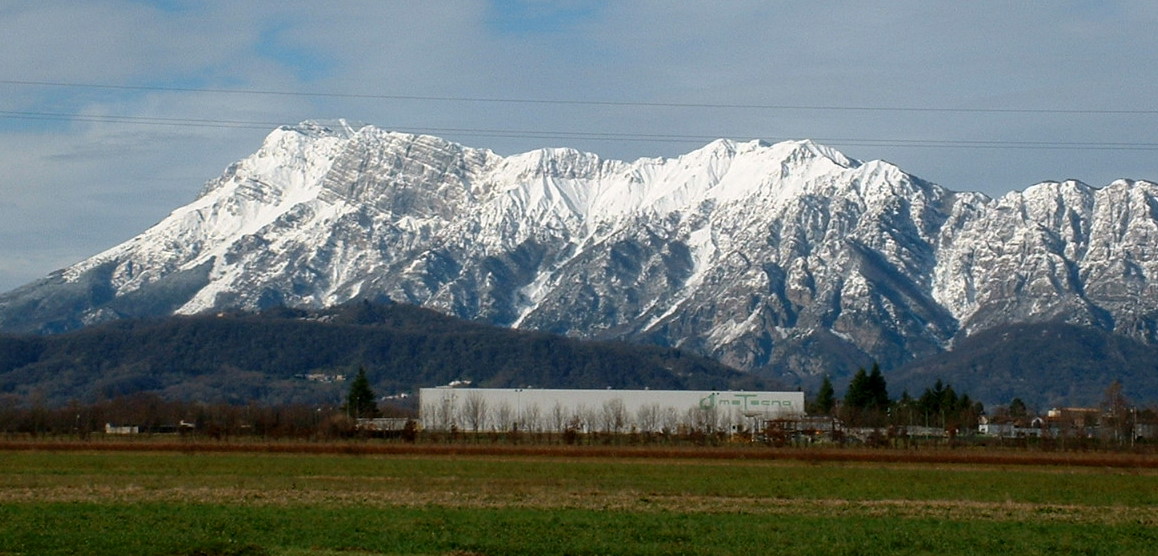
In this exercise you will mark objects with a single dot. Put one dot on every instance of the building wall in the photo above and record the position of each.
(527, 409)
(114, 429)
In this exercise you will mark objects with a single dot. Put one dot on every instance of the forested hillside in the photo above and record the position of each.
(289, 356)
(1045, 364)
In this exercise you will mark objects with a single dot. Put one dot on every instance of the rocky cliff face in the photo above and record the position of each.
(790, 258)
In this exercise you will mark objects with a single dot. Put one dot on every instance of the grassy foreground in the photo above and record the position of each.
(97, 502)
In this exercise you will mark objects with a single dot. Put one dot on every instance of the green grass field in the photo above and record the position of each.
(97, 502)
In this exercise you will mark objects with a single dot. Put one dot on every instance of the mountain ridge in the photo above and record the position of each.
(787, 259)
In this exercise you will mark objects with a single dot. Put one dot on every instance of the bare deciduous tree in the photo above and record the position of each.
(558, 417)
(504, 418)
(532, 419)
(613, 417)
(670, 420)
(441, 414)
(647, 417)
(474, 411)
(1116, 425)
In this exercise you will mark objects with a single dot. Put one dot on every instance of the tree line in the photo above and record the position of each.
(866, 403)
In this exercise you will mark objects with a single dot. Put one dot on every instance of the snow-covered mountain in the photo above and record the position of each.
(788, 257)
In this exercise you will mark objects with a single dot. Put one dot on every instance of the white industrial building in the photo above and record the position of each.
(614, 411)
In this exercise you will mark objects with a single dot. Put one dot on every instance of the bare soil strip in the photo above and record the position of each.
(927, 456)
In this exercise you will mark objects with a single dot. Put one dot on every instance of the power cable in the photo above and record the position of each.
(593, 136)
(430, 98)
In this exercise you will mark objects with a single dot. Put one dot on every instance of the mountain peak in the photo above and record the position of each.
(818, 150)
(784, 256)
(340, 127)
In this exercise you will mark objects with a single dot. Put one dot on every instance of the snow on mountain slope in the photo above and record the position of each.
(286, 171)
(786, 256)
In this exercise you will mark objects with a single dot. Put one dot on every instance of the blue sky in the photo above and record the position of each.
(986, 96)
(523, 17)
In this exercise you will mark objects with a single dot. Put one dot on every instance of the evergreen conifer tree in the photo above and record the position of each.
(856, 397)
(825, 398)
(866, 402)
(1017, 408)
(361, 402)
(878, 390)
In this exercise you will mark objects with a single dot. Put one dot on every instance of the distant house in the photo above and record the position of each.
(1008, 428)
(180, 427)
(381, 424)
(988, 427)
(813, 428)
(114, 429)
(1073, 422)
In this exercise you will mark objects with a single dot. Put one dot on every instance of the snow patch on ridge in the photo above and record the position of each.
(732, 243)
(704, 252)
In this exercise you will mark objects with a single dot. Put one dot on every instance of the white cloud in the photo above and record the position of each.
(76, 188)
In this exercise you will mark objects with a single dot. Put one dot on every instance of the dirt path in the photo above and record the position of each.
(971, 456)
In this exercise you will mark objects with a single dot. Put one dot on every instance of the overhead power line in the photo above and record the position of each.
(590, 136)
(465, 99)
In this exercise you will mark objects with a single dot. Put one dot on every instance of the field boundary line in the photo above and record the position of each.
(817, 455)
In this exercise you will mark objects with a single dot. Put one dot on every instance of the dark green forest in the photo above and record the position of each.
(1047, 364)
(268, 357)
